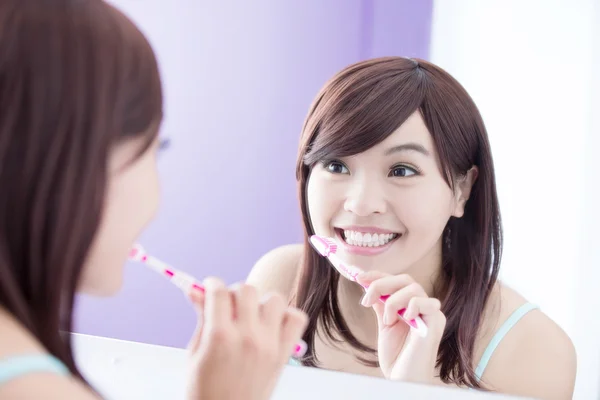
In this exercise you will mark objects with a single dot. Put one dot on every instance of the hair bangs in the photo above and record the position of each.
(361, 108)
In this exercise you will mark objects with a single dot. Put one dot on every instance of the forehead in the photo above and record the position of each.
(412, 131)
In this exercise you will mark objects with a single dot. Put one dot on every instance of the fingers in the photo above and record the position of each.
(422, 305)
(400, 292)
(430, 312)
(218, 304)
(292, 328)
(245, 299)
(385, 286)
(272, 310)
(400, 300)
(379, 312)
(286, 323)
(197, 299)
(236, 311)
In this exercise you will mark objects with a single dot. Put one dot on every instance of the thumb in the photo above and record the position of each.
(379, 309)
(197, 299)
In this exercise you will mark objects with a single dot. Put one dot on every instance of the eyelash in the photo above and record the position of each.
(416, 170)
(326, 163)
(412, 168)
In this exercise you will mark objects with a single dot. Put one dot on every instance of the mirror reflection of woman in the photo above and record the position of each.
(395, 163)
(80, 110)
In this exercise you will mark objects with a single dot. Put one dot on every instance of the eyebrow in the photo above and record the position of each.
(407, 147)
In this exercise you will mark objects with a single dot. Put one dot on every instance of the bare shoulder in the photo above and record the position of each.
(15, 341)
(535, 358)
(276, 271)
(42, 385)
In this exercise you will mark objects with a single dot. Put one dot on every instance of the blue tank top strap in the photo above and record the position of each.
(294, 362)
(17, 366)
(504, 329)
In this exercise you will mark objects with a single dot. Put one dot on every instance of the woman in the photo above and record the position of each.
(80, 109)
(395, 164)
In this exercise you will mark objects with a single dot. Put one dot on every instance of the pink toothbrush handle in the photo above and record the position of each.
(416, 323)
(186, 282)
(327, 247)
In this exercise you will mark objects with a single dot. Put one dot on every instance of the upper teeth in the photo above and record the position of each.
(355, 238)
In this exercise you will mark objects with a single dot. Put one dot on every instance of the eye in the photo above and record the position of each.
(403, 171)
(335, 167)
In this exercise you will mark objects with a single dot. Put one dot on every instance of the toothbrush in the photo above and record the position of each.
(180, 279)
(184, 281)
(328, 248)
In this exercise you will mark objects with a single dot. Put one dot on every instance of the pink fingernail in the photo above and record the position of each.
(410, 321)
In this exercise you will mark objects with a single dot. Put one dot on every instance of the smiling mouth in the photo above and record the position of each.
(366, 239)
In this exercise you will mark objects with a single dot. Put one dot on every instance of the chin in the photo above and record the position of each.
(102, 287)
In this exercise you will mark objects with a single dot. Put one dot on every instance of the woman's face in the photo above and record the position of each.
(131, 202)
(387, 207)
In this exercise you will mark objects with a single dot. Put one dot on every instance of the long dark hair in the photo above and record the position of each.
(76, 78)
(357, 109)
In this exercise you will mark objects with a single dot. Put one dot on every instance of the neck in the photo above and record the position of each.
(361, 321)
(426, 272)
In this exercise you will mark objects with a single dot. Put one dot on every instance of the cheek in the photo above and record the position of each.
(323, 203)
(131, 203)
(148, 195)
(425, 209)
(133, 200)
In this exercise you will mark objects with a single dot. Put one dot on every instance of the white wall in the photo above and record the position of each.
(528, 65)
(588, 289)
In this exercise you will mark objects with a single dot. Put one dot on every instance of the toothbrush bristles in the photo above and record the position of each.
(332, 246)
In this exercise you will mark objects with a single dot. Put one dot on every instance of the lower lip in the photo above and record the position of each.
(363, 251)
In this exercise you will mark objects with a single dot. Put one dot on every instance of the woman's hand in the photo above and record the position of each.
(403, 354)
(241, 344)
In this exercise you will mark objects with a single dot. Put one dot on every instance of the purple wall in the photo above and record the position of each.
(238, 82)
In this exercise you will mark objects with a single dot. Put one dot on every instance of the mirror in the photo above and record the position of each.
(238, 83)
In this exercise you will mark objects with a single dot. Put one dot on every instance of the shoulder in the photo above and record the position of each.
(41, 385)
(277, 270)
(16, 341)
(535, 358)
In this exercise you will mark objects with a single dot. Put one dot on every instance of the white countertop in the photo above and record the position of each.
(122, 370)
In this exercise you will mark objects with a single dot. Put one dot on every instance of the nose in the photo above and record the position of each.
(365, 197)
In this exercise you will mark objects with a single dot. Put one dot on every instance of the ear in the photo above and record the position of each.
(463, 191)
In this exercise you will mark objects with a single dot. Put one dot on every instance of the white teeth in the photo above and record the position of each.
(355, 238)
